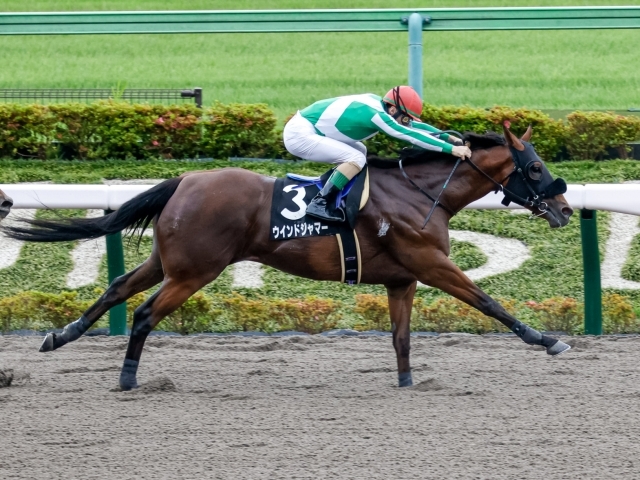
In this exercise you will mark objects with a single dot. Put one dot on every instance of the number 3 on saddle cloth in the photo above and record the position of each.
(293, 193)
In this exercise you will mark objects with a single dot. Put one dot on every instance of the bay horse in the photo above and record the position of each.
(206, 221)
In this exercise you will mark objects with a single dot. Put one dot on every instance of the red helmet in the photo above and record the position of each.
(406, 99)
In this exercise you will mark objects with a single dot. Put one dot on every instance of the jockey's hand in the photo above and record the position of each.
(461, 151)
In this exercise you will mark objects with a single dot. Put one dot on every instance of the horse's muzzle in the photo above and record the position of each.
(558, 211)
(5, 205)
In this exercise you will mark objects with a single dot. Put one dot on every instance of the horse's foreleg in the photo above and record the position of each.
(167, 299)
(446, 276)
(138, 280)
(400, 303)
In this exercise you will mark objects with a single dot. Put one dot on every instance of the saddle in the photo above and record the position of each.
(352, 204)
(293, 193)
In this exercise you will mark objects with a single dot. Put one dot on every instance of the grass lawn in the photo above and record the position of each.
(536, 69)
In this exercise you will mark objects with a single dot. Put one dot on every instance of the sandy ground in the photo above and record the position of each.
(317, 407)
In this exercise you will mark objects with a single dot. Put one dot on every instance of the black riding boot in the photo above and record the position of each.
(323, 205)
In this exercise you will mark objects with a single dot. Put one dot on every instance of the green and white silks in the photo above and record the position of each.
(332, 130)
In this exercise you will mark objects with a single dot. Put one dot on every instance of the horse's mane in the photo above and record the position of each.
(483, 142)
(478, 142)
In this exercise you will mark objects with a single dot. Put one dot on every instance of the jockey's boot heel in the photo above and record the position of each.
(323, 205)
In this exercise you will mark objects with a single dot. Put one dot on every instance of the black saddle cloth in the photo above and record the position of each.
(291, 198)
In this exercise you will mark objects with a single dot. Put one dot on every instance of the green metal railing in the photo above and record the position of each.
(592, 280)
(115, 267)
(415, 21)
(379, 20)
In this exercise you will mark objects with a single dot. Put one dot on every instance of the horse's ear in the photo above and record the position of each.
(512, 140)
(527, 135)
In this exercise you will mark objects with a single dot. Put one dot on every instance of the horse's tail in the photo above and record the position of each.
(137, 213)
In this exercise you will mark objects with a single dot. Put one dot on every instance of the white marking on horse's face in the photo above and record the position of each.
(384, 227)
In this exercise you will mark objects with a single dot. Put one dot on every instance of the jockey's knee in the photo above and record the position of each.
(355, 154)
(361, 147)
(360, 162)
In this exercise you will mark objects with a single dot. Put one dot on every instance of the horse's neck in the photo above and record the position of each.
(466, 185)
(470, 185)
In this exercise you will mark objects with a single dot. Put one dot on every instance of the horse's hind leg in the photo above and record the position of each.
(170, 297)
(400, 303)
(138, 280)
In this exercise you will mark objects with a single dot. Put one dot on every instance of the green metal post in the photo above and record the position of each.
(415, 52)
(591, 262)
(115, 266)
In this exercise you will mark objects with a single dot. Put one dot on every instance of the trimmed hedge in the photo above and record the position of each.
(34, 310)
(117, 130)
(121, 131)
(584, 135)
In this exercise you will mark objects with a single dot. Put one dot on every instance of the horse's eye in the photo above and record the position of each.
(535, 171)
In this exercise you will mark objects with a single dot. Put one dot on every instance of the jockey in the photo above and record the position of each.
(333, 130)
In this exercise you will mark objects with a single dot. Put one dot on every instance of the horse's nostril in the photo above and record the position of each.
(567, 211)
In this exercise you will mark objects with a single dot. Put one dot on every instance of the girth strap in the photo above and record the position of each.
(350, 258)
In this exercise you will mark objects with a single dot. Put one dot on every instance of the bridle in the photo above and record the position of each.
(534, 199)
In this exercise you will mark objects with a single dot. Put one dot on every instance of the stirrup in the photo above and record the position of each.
(320, 209)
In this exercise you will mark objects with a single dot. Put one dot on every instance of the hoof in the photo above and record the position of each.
(405, 380)
(128, 388)
(47, 344)
(558, 348)
(128, 379)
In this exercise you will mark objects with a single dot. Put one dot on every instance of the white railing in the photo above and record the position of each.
(622, 198)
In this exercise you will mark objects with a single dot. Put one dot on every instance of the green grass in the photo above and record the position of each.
(466, 255)
(540, 277)
(537, 69)
(133, 256)
(36, 258)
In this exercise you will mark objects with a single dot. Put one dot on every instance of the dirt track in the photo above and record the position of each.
(317, 407)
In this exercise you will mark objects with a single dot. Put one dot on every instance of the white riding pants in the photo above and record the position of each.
(301, 140)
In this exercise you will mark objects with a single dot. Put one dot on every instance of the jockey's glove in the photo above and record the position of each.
(462, 152)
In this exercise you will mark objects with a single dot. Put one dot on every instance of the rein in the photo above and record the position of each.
(536, 201)
(446, 209)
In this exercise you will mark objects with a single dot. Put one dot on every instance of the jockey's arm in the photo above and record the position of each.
(386, 124)
(428, 128)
